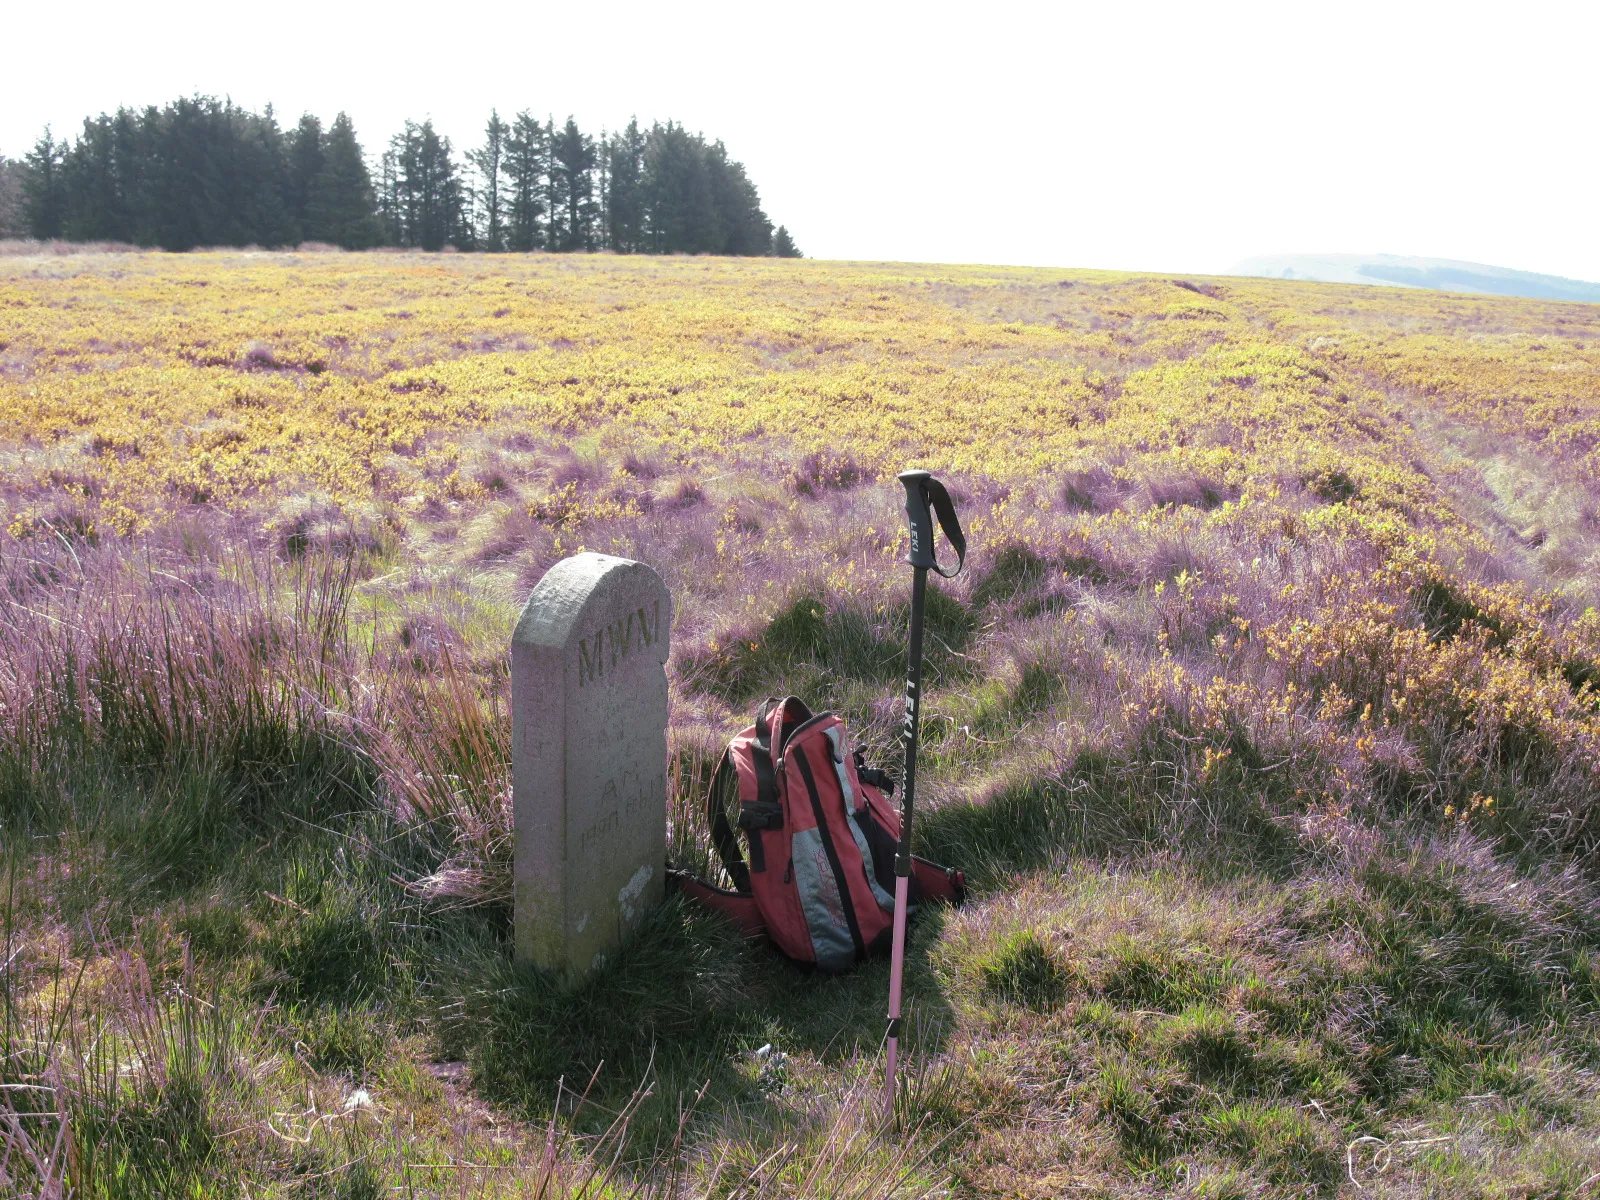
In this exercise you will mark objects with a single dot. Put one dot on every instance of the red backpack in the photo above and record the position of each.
(822, 837)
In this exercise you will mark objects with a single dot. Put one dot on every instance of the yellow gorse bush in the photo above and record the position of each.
(1355, 451)
(211, 377)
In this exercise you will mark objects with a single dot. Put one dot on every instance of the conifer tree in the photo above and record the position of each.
(554, 216)
(216, 177)
(572, 159)
(11, 220)
(342, 208)
(489, 161)
(249, 157)
(741, 227)
(783, 245)
(388, 187)
(186, 187)
(696, 200)
(675, 195)
(429, 194)
(525, 166)
(43, 193)
(625, 205)
(100, 175)
(602, 192)
(306, 160)
(125, 216)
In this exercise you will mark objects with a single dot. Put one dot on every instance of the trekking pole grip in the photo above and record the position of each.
(925, 498)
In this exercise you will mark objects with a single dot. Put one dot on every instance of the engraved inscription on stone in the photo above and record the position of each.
(621, 800)
(606, 645)
(589, 772)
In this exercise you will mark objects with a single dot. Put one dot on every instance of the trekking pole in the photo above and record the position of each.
(922, 492)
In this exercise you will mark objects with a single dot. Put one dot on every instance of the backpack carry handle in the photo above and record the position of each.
(924, 492)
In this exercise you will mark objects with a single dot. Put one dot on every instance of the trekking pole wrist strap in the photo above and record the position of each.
(946, 512)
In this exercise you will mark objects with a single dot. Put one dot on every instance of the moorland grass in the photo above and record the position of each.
(1271, 761)
(1156, 972)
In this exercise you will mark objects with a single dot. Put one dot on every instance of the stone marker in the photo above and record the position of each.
(589, 758)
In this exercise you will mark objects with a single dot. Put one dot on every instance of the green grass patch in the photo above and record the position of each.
(1023, 970)
(823, 652)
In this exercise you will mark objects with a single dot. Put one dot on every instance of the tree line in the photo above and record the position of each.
(205, 172)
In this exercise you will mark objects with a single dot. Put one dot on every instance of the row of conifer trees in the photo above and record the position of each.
(204, 172)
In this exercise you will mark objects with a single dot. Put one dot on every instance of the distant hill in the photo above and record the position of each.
(1396, 270)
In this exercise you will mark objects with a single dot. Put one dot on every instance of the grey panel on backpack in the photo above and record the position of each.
(821, 902)
(836, 736)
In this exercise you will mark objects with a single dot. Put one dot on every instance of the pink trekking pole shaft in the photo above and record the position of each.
(922, 492)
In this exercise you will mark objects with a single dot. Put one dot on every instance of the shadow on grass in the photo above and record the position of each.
(309, 922)
(686, 1001)
(116, 843)
(1025, 584)
(1467, 962)
(810, 650)
(1102, 807)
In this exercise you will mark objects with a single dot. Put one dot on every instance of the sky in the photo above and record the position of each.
(1117, 134)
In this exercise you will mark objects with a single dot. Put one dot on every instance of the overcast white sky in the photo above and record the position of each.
(1151, 136)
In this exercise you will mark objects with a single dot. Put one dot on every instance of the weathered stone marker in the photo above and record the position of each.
(589, 758)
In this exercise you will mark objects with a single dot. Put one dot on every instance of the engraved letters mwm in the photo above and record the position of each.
(609, 644)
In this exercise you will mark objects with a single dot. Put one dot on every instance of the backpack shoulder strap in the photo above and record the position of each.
(774, 723)
(722, 835)
(765, 754)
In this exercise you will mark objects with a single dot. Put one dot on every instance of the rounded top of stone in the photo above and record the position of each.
(556, 609)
